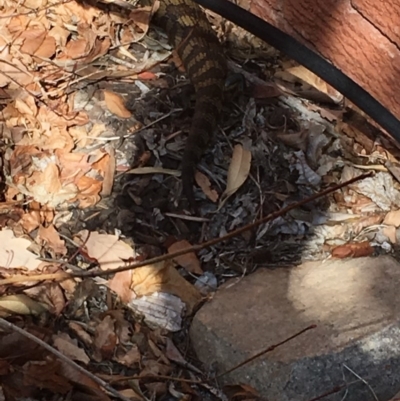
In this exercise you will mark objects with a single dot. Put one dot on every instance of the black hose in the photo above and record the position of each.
(309, 59)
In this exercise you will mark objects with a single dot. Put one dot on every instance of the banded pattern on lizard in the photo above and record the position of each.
(198, 47)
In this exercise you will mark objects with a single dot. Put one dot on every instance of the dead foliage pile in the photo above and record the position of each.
(93, 124)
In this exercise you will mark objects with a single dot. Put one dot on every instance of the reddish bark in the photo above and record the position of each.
(361, 37)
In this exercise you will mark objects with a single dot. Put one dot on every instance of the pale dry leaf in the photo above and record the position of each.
(46, 188)
(159, 310)
(83, 138)
(129, 357)
(116, 104)
(69, 12)
(30, 221)
(109, 251)
(52, 239)
(54, 138)
(173, 354)
(307, 176)
(44, 374)
(238, 172)
(47, 49)
(20, 304)
(156, 351)
(35, 3)
(353, 250)
(69, 347)
(381, 190)
(109, 173)
(24, 108)
(141, 17)
(131, 394)
(88, 191)
(102, 163)
(204, 183)
(55, 295)
(163, 277)
(120, 283)
(88, 385)
(14, 70)
(361, 223)
(156, 367)
(60, 35)
(154, 170)
(83, 335)
(105, 339)
(100, 48)
(14, 253)
(75, 49)
(390, 232)
(32, 40)
(189, 261)
(49, 179)
(394, 169)
(310, 78)
(73, 165)
(123, 327)
(21, 160)
(392, 218)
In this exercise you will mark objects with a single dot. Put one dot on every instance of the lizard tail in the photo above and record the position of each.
(201, 53)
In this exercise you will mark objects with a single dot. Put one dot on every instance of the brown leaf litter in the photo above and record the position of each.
(93, 125)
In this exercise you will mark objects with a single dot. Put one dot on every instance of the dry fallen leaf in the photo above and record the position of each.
(108, 173)
(353, 250)
(204, 183)
(20, 304)
(120, 284)
(55, 296)
(163, 277)
(159, 310)
(105, 339)
(128, 357)
(238, 172)
(189, 260)
(79, 331)
(243, 392)
(392, 218)
(154, 170)
(14, 253)
(109, 251)
(30, 221)
(115, 103)
(310, 78)
(88, 191)
(45, 375)
(173, 354)
(391, 233)
(52, 239)
(69, 347)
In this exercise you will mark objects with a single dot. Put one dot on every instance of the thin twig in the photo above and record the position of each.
(364, 381)
(265, 351)
(333, 391)
(194, 248)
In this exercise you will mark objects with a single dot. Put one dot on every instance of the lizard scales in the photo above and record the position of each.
(198, 47)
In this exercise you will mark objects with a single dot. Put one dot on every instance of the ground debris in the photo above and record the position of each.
(94, 122)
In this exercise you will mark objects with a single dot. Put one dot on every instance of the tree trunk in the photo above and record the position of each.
(360, 37)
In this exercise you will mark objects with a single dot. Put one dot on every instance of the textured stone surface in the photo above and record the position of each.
(359, 36)
(355, 305)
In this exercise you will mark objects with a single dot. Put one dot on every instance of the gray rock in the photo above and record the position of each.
(355, 348)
